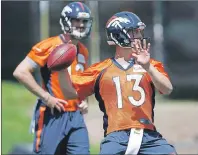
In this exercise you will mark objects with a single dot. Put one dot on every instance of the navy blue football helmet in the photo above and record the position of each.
(119, 26)
(76, 10)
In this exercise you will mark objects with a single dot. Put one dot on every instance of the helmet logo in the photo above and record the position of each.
(116, 22)
(66, 9)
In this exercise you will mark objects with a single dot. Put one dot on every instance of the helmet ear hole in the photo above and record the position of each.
(117, 35)
(120, 39)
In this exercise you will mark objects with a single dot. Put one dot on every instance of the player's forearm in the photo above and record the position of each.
(161, 82)
(29, 82)
(66, 86)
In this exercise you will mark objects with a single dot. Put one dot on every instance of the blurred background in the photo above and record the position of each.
(173, 28)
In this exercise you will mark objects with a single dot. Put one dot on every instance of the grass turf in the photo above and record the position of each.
(17, 105)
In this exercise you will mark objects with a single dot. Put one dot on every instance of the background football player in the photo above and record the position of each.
(125, 89)
(59, 125)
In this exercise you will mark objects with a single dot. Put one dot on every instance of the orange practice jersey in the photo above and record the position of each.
(126, 96)
(39, 54)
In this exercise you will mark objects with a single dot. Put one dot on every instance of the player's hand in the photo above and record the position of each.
(55, 103)
(141, 53)
(83, 107)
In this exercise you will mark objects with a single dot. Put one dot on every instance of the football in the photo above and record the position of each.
(61, 57)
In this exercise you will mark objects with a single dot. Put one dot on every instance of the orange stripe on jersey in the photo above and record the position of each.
(40, 126)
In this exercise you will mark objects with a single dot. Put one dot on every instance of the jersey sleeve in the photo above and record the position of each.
(84, 82)
(159, 66)
(40, 52)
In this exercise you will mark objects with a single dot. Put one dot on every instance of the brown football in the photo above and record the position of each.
(61, 57)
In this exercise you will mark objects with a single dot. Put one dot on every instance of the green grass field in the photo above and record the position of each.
(17, 105)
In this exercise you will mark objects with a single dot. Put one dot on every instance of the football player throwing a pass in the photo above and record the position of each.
(125, 89)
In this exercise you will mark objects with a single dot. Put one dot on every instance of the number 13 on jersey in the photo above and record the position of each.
(137, 78)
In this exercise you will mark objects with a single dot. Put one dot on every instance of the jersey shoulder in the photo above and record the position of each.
(100, 65)
(40, 52)
(47, 43)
